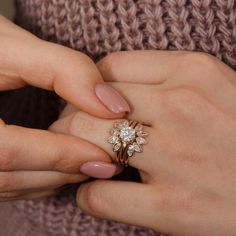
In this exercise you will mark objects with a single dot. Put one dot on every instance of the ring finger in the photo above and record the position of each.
(96, 131)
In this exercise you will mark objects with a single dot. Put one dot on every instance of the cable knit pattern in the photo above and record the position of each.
(109, 31)
(97, 28)
(154, 26)
(226, 30)
(179, 28)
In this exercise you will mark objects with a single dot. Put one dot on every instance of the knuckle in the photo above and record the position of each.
(197, 60)
(193, 64)
(66, 160)
(110, 62)
(75, 57)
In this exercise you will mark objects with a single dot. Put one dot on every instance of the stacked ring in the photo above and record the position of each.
(127, 137)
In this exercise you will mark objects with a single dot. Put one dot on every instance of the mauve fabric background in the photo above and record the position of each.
(97, 28)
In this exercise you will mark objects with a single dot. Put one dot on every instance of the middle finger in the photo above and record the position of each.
(140, 97)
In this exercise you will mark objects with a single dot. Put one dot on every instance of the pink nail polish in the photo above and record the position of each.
(111, 98)
(100, 170)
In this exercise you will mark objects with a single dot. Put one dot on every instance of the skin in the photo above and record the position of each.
(26, 169)
(187, 102)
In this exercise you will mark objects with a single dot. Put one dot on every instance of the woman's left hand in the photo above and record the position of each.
(187, 103)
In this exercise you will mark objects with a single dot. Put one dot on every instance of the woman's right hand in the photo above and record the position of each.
(35, 163)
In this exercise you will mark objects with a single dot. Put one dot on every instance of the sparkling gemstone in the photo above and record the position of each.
(140, 140)
(125, 123)
(112, 139)
(115, 132)
(142, 133)
(127, 134)
(116, 146)
(130, 150)
(137, 148)
(118, 125)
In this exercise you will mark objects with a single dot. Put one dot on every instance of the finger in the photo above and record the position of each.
(68, 110)
(32, 180)
(139, 96)
(147, 66)
(145, 101)
(130, 203)
(71, 74)
(97, 131)
(13, 196)
(42, 194)
(29, 149)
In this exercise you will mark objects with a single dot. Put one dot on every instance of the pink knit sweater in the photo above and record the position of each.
(97, 28)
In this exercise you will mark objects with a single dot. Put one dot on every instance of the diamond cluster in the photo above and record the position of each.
(123, 135)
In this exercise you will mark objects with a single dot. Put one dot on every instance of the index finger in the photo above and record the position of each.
(25, 59)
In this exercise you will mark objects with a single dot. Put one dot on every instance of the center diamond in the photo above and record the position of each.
(127, 134)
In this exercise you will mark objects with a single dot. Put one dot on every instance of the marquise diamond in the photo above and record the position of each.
(142, 133)
(116, 146)
(140, 140)
(130, 150)
(137, 148)
(112, 139)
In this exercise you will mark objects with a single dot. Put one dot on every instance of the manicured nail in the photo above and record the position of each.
(111, 98)
(100, 170)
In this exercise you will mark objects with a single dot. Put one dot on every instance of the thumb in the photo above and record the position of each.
(127, 202)
(25, 59)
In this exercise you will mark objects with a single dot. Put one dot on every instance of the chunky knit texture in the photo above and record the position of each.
(97, 28)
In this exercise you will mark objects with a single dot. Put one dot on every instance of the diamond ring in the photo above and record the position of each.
(127, 137)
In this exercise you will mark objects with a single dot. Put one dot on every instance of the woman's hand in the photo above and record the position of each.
(35, 163)
(25, 59)
(187, 102)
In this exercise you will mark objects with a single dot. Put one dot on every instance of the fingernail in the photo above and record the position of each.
(111, 98)
(100, 170)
